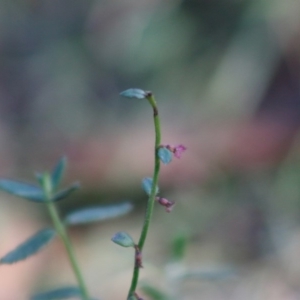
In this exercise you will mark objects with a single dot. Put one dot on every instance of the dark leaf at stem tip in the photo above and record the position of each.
(134, 93)
(29, 247)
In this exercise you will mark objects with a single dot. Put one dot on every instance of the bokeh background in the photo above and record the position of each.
(226, 77)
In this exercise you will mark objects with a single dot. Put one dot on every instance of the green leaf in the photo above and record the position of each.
(29, 247)
(22, 189)
(123, 239)
(99, 213)
(66, 192)
(58, 172)
(60, 293)
(154, 293)
(179, 245)
(147, 186)
(46, 183)
(210, 275)
(165, 155)
(39, 177)
(134, 93)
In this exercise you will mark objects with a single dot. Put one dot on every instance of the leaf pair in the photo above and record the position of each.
(35, 243)
(32, 192)
(37, 193)
(122, 238)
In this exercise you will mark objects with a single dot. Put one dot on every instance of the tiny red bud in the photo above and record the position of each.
(166, 203)
(170, 207)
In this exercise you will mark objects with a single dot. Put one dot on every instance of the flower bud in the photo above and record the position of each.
(166, 203)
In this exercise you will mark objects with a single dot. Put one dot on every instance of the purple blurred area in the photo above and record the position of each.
(226, 76)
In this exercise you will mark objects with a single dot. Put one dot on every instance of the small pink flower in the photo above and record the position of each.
(166, 203)
(177, 150)
(170, 207)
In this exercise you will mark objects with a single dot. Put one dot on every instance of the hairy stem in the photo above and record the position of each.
(151, 200)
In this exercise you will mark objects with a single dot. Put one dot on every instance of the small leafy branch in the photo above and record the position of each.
(162, 153)
(47, 192)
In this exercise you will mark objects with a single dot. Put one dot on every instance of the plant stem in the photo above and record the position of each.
(61, 230)
(151, 199)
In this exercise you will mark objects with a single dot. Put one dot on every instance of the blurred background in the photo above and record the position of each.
(225, 74)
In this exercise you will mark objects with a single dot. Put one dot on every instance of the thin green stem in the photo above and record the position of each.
(151, 200)
(61, 230)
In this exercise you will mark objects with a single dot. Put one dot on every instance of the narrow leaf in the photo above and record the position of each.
(211, 275)
(179, 245)
(134, 93)
(22, 189)
(165, 155)
(66, 192)
(123, 239)
(99, 213)
(58, 172)
(60, 293)
(154, 293)
(147, 186)
(39, 177)
(29, 247)
(46, 183)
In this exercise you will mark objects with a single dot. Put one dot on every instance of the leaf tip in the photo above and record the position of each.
(134, 93)
(123, 239)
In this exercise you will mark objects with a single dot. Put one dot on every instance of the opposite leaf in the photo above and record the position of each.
(134, 93)
(29, 247)
(58, 172)
(66, 192)
(147, 186)
(99, 213)
(123, 239)
(61, 293)
(22, 189)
